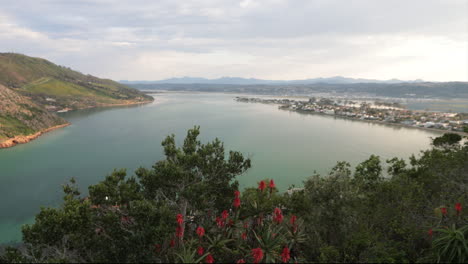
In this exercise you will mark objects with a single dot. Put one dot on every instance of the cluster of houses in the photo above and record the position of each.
(367, 111)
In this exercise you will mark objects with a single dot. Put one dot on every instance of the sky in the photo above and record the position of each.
(266, 39)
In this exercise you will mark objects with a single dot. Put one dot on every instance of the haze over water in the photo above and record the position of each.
(285, 146)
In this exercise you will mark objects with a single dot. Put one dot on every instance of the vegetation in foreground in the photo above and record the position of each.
(188, 209)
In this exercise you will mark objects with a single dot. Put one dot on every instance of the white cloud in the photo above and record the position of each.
(9, 30)
(245, 3)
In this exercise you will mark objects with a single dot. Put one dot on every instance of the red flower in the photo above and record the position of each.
(179, 231)
(200, 250)
(458, 208)
(278, 216)
(225, 214)
(279, 219)
(272, 184)
(430, 232)
(293, 220)
(236, 194)
(240, 261)
(257, 254)
(285, 256)
(443, 210)
(209, 259)
(246, 225)
(261, 186)
(244, 236)
(236, 202)
(180, 219)
(219, 222)
(172, 243)
(200, 231)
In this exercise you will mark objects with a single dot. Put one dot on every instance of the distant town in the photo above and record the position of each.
(378, 111)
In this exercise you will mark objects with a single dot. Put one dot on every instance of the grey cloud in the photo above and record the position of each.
(278, 19)
(282, 32)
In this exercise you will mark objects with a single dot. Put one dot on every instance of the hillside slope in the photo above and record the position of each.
(57, 87)
(20, 117)
(31, 89)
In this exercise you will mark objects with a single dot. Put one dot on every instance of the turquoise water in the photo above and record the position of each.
(283, 145)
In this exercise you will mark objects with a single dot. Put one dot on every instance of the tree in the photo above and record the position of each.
(368, 173)
(195, 176)
(124, 217)
(448, 139)
(113, 224)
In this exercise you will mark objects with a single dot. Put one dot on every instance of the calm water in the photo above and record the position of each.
(283, 145)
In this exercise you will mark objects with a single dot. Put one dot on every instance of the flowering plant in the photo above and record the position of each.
(240, 235)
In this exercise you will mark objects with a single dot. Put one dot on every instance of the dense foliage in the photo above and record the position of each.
(188, 209)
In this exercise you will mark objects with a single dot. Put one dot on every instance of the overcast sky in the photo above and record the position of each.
(268, 39)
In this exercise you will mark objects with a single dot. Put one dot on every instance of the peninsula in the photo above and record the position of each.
(381, 112)
(32, 90)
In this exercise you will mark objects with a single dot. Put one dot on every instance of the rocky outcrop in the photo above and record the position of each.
(11, 142)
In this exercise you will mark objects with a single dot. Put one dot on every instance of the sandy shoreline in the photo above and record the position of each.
(123, 104)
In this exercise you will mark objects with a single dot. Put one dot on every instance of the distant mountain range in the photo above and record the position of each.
(449, 90)
(253, 81)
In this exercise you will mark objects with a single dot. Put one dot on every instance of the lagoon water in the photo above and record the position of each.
(283, 145)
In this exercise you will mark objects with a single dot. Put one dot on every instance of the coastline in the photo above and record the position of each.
(111, 105)
(441, 131)
(22, 139)
(122, 104)
(11, 142)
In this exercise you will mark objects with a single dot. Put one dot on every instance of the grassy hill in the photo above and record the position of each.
(32, 88)
(57, 87)
(19, 116)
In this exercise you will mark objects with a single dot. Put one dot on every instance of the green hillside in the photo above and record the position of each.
(32, 88)
(58, 87)
(19, 116)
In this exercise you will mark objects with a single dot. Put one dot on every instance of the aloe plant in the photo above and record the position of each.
(451, 245)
